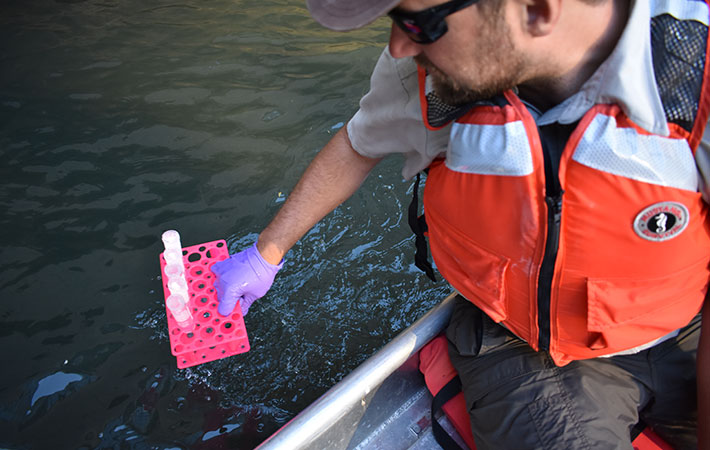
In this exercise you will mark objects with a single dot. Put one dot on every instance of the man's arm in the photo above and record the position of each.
(331, 178)
(335, 173)
(388, 121)
(703, 373)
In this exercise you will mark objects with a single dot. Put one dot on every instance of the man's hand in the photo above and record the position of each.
(243, 277)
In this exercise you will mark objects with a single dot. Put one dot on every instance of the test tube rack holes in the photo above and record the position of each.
(213, 336)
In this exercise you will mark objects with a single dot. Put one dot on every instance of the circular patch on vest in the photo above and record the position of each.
(661, 221)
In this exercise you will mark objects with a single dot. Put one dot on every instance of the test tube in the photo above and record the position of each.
(174, 271)
(178, 286)
(181, 313)
(177, 302)
(173, 256)
(171, 240)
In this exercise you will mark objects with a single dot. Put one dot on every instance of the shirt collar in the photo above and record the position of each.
(626, 78)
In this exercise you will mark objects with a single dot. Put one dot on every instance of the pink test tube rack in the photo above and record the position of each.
(213, 336)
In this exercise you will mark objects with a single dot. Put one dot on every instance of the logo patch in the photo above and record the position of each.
(661, 221)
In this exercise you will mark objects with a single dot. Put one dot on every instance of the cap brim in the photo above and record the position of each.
(343, 15)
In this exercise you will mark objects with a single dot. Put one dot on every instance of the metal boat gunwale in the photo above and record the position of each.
(385, 389)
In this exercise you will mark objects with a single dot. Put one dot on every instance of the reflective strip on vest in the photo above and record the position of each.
(499, 150)
(693, 10)
(648, 158)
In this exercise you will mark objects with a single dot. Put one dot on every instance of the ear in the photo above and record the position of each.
(541, 16)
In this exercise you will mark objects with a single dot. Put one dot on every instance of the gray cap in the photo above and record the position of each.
(342, 15)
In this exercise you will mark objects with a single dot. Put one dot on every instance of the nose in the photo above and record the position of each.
(400, 44)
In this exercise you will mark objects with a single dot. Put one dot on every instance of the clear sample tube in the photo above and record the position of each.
(178, 286)
(177, 304)
(177, 301)
(174, 271)
(171, 240)
(173, 256)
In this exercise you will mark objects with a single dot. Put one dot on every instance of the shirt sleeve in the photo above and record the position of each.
(390, 120)
(702, 159)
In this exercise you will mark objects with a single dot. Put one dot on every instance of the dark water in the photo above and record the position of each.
(124, 119)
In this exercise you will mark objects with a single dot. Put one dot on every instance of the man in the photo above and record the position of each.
(564, 140)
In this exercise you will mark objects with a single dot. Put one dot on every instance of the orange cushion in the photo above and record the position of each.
(434, 363)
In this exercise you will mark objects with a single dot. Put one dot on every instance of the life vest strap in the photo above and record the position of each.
(449, 391)
(418, 225)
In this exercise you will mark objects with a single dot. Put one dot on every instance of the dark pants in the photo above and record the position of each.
(518, 399)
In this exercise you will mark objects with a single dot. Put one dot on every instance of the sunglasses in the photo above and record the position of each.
(428, 25)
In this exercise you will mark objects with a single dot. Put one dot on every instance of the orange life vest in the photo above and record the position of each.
(618, 259)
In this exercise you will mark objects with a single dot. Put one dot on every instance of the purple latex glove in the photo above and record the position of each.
(243, 277)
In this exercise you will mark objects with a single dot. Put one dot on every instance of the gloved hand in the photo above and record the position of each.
(243, 277)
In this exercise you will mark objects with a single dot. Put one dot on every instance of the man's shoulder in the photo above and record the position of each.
(403, 68)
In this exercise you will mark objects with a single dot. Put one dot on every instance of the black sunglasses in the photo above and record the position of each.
(428, 25)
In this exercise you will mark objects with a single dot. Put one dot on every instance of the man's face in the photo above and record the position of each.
(476, 59)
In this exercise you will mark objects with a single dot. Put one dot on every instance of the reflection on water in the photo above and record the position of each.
(123, 119)
(52, 384)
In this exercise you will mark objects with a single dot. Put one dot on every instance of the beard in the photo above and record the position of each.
(455, 93)
(497, 67)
